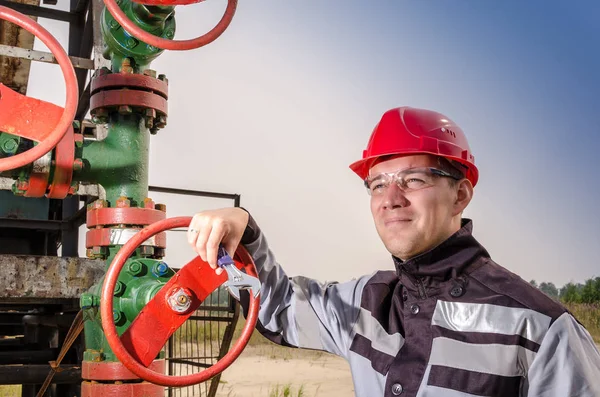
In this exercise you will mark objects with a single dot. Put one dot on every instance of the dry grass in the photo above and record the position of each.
(589, 316)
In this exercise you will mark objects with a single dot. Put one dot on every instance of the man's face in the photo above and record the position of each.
(412, 222)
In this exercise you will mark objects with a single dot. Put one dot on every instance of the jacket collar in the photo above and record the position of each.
(446, 261)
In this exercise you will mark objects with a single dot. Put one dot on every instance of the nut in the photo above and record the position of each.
(77, 165)
(123, 202)
(148, 203)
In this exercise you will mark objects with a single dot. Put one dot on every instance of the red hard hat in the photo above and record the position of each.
(407, 130)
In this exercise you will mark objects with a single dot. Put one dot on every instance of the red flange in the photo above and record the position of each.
(107, 237)
(148, 333)
(107, 81)
(89, 389)
(64, 156)
(107, 371)
(166, 44)
(24, 116)
(123, 216)
(126, 97)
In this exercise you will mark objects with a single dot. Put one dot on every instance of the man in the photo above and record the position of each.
(448, 321)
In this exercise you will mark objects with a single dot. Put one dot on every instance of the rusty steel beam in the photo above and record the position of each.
(47, 277)
(43, 56)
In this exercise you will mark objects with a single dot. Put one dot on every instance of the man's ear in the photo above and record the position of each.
(464, 194)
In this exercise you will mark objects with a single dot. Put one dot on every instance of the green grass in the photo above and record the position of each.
(286, 391)
(589, 316)
(10, 391)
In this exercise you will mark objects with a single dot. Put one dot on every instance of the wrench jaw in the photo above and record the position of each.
(233, 291)
(236, 279)
(248, 283)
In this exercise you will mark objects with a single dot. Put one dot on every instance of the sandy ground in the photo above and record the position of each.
(261, 369)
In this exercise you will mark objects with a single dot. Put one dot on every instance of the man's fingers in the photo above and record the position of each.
(218, 231)
(200, 245)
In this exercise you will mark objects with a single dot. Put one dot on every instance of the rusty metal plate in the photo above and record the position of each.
(23, 276)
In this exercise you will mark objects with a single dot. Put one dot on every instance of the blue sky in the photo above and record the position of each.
(279, 106)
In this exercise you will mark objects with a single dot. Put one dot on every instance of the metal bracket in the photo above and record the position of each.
(42, 56)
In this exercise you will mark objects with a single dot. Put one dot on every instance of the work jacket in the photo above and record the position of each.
(447, 323)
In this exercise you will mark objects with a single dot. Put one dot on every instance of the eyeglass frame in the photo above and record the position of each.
(394, 175)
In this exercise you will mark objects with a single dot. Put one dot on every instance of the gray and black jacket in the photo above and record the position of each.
(448, 323)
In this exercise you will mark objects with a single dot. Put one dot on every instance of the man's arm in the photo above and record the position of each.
(567, 363)
(299, 311)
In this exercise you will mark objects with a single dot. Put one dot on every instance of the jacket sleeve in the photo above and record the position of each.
(567, 362)
(299, 311)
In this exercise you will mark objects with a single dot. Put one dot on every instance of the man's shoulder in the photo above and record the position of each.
(509, 289)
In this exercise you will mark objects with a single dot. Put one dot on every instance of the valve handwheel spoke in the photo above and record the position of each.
(31, 118)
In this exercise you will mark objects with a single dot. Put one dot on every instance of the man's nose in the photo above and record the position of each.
(394, 197)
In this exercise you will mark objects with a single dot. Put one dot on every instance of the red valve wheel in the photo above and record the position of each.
(157, 321)
(167, 44)
(47, 141)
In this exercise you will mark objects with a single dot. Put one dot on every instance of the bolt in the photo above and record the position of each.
(101, 72)
(123, 202)
(78, 138)
(162, 121)
(126, 66)
(159, 253)
(118, 317)
(169, 33)
(149, 115)
(97, 252)
(131, 43)
(99, 116)
(135, 268)
(74, 188)
(125, 109)
(180, 300)
(10, 146)
(86, 301)
(151, 48)
(160, 269)
(77, 165)
(114, 24)
(119, 288)
(100, 204)
(20, 187)
(148, 203)
(161, 207)
(146, 250)
(150, 73)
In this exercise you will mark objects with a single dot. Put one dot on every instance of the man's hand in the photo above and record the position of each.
(210, 228)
